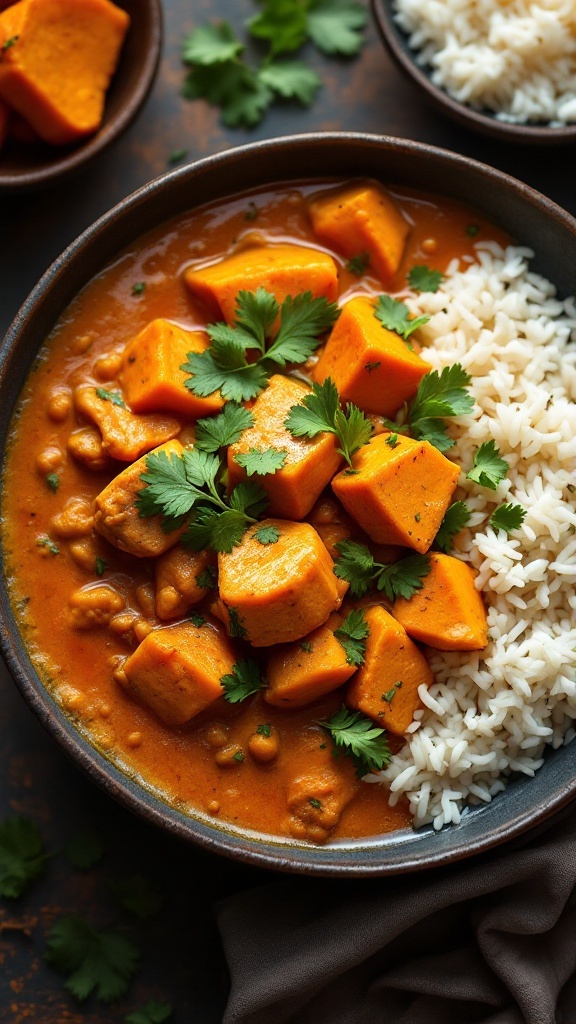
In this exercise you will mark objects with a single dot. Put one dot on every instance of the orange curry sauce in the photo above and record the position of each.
(76, 664)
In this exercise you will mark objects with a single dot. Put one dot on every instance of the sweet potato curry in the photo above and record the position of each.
(227, 499)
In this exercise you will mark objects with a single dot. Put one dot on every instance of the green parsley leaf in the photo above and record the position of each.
(351, 635)
(456, 517)
(282, 23)
(388, 697)
(139, 288)
(315, 803)
(100, 566)
(238, 382)
(9, 43)
(264, 729)
(395, 316)
(261, 461)
(320, 411)
(438, 396)
(22, 856)
(235, 627)
(52, 481)
(358, 737)
(45, 542)
(85, 849)
(238, 756)
(243, 681)
(488, 469)
(233, 87)
(336, 26)
(403, 578)
(138, 895)
(422, 279)
(357, 565)
(111, 396)
(211, 44)
(215, 432)
(100, 962)
(291, 80)
(197, 620)
(358, 264)
(508, 517)
(392, 441)
(151, 1013)
(303, 320)
(207, 578)
(267, 534)
(306, 646)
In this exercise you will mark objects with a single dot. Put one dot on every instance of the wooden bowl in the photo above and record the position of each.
(527, 217)
(28, 166)
(484, 122)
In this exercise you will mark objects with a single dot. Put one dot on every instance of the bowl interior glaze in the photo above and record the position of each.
(530, 219)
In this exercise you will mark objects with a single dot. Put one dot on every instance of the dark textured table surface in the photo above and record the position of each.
(182, 962)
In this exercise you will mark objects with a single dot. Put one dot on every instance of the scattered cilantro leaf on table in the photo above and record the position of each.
(356, 735)
(138, 895)
(215, 432)
(291, 80)
(356, 564)
(320, 411)
(351, 636)
(508, 517)
(336, 26)
(456, 517)
(261, 461)
(395, 316)
(422, 279)
(151, 1013)
(99, 962)
(244, 680)
(22, 856)
(84, 849)
(488, 468)
(282, 23)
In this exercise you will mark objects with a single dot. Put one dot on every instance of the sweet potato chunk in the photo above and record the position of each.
(177, 586)
(386, 685)
(400, 492)
(116, 516)
(447, 612)
(362, 218)
(282, 269)
(176, 670)
(151, 374)
(275, 593)
(370, 366)
(125, 435)
(57, 70)
(309, 465)
(302, 672)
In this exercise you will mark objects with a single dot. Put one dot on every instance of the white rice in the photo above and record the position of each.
(515, 58)
(493, 712)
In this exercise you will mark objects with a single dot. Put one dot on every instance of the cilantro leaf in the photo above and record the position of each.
(282, 23)
(351, 635)
(508, 517)
(356, 565)
(261, 460)
(488, 469)
(111, 396)
(99, 962)
(358, 737)
(302, 320)
(395, 316)
(100, 566)
(336, 26)
(255, 315)
(236, 383)
(422, 279)
(206, 579)
(403, 578)
(456, 517)
(173, 484)
(267, 534)
(211, 44)
(439, 395)
(292, 80)
(138, 895)
(242, 681)
(217, 531)
(235, 626)
(21, 855)
(215, 432)
(233, 87)
(52, 481)
(151, 1013)
(358, 264)
(85, 849)
(320, 411)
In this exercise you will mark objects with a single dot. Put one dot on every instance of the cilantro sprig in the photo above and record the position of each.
(244, 680)
(216, 432)
(488, 468)
(99, 962)
(321, 411)
(356, 735)
(508, 517)
(225, 367)
(180, 485)
(22, 856)
(261, 461)
(456, 517)
(357, 565)
(351, 636)
(395, 316)
(439, 396)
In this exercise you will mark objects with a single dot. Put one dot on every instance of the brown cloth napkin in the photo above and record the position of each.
(488, 941)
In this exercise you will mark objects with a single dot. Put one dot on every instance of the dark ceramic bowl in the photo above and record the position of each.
(26, 166)
(527, 217)
(484, 122)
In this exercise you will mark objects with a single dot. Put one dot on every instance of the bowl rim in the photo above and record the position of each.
(396, 42)
(72, 159)
(406, 851)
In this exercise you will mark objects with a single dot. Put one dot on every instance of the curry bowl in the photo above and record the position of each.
(469, 116)
(27, 164)
(518, 213)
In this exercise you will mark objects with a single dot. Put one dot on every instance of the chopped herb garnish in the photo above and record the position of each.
(439, 396)
(357, 565)
(472, 230)
(224, 366)
(251, 212)
(235, 627)
(151, 1013)
(392, 441)
(52, 481)
(315, 803)
(238, 756)
(111, 396)
(358, 264)
(306, 646)
(264, 729)
(9, 43)
(320, 411)
(85, 849)
(100, 566)
(423, 279)
(99, 962)
(45, 542)
(22, 856)
(244, 680)
(370, 367)
(395, 316)
(215, 432)
(356, 735)
(488, 469)
(267, 534)
(456, 517)
(351, 636)
(417, 517)
(139, 288)
(197, 620)
(390, 694)
(261, 461)
(177, 156)
(206, 579)
(508, 517)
